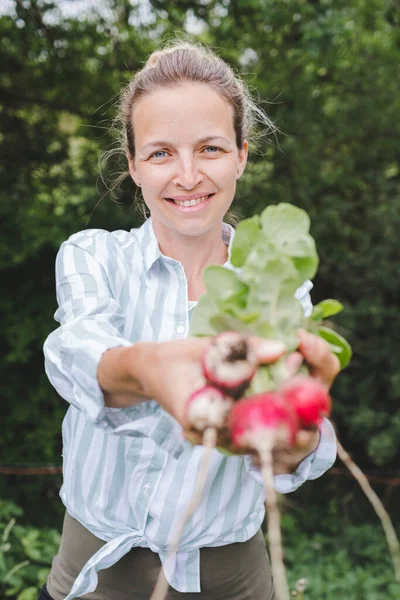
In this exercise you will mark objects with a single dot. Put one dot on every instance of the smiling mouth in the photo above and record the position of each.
(189, 203)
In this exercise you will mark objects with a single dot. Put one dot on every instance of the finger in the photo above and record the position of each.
(323, 363)
(293, 362)
(315, 350)
(196, 346)
(267, 350)
(255, 458)
(281, 468)
(308, 440)
(283, 462)
(304, 438)
(192, 436)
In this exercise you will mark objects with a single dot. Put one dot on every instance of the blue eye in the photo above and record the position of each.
(158, 152)
(213, 147)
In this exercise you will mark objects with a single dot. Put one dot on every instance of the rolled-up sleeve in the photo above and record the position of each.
(312, 467)
(91, 322)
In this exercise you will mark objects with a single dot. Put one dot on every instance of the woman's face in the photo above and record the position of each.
(186, 150)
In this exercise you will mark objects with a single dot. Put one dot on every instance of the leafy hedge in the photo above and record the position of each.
(328, 72)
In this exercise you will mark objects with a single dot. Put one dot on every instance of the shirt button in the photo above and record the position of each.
(180, 328)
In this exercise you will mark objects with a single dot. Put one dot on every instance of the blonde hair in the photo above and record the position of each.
(179, 62)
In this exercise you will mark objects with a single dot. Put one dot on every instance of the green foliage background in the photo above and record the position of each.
(326, 71)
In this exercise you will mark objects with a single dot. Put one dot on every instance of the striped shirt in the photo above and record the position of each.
(132, 487)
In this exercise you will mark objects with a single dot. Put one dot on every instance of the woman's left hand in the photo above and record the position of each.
(324, 366)
(286, 460)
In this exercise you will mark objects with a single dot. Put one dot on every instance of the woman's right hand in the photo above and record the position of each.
(171, 371)
(168, 372)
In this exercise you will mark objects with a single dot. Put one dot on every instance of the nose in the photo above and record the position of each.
(188, 174)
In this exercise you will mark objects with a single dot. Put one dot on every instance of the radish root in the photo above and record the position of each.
(273, 520)
(209, 442)
(380, 510)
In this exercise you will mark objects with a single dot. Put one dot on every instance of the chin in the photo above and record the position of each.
(196, 228)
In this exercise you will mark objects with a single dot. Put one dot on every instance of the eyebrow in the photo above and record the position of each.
(208, 138)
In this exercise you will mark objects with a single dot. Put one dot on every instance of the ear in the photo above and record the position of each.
(242, 155)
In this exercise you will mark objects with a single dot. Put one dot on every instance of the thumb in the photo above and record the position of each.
(294, 362)
(267, 351)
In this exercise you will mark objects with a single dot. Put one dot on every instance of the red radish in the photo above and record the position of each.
(251, 417)
(208, 407)
(309, 399)
(230, 363)
(207, 412)
(259, 423)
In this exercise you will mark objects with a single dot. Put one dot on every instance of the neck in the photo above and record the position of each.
(195, 253)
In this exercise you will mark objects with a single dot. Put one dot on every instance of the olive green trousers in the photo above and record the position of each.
(239, 571)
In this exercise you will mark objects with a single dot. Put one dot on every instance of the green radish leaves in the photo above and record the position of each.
(206, 309)
(338, 344)
(223, 284)
(272, 255)
(245, 235)
(325, 309)
(288, 228)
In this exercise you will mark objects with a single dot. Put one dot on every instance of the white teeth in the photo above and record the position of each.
(187, 203)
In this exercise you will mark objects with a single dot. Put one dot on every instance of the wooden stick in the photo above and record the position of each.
(273, 520)
(209, 441)
(380, 510)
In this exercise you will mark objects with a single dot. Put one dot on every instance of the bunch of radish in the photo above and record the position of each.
(259, 422)
(245, 408)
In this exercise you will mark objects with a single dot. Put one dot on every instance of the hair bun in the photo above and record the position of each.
(153, 60)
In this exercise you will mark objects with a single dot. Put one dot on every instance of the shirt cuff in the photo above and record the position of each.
(312, 467)
(87, 392)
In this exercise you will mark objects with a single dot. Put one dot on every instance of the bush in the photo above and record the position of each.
(339, 561)
(25, 554)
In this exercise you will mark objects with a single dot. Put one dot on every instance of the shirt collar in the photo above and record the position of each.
(151, 250)
(149, 244)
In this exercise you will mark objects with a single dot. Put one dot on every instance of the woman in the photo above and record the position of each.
(122, 360)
